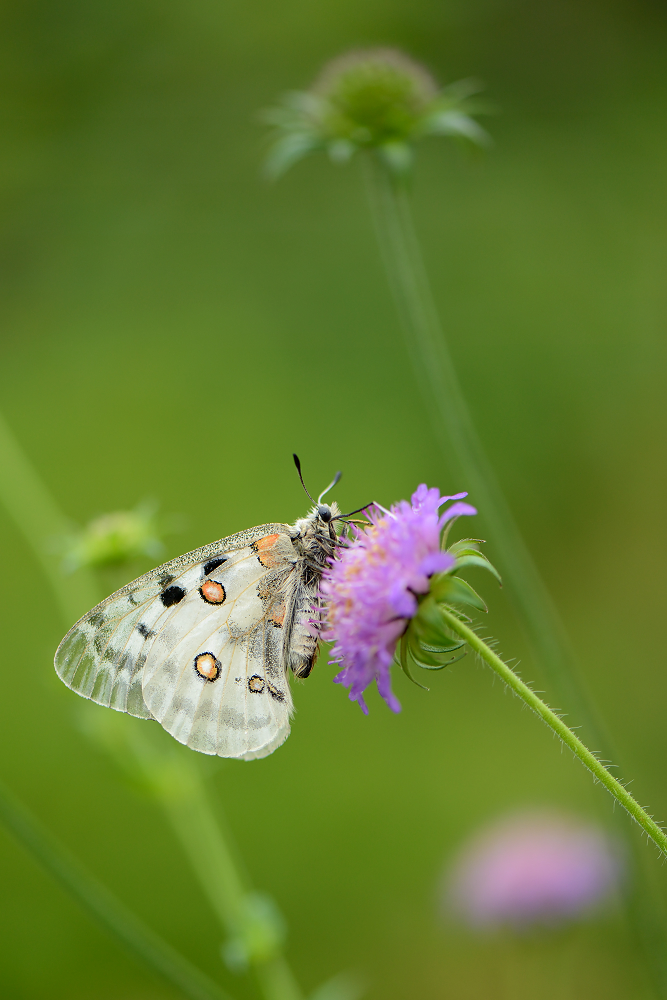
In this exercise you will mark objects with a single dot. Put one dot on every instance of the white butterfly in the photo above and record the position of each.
(203, 643)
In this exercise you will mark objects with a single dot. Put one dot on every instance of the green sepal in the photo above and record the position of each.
(288, 150)
(403, 658)
(472, 558)
(441, 666)
(428, 624)
(451, 589)
(465, 545)
(424, 657)
(455, 644)
(430, 631)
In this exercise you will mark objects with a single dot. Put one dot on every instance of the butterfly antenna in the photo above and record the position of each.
(298, 469)
(334, 482)
(360, 509)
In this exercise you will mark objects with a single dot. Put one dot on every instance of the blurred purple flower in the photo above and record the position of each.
(370, 588)
(537, 867)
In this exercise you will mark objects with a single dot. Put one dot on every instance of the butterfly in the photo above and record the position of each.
(204, 643)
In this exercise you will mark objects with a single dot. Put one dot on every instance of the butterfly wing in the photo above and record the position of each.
(196, 644)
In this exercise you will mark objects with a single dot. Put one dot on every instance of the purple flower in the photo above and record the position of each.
(371, 589)
(537, 867)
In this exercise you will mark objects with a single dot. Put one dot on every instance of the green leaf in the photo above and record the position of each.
(459, 591)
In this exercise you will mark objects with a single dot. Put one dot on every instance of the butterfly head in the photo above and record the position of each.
(324, 512)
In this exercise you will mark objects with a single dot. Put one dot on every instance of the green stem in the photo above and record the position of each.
(588, 759)
(182, 794)
(111, 913)
(276, 980)
(42, 523)
(456, 434)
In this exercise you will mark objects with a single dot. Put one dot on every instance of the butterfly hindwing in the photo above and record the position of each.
(214, 675)
(197, 644)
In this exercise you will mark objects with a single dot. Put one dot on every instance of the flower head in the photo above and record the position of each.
(373, 96)
(377, 99)
(373, 589)
(537, 867)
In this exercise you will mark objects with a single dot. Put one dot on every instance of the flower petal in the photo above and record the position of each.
(456, 510)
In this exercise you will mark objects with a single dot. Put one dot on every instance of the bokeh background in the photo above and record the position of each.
(174, 327)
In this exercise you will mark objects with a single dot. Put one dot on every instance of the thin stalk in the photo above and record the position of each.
(41, 522)
(192, 820)
(186, 804)
(276, 980)
(104, 906)
(177, 786)
(588, 759)
(457, 437)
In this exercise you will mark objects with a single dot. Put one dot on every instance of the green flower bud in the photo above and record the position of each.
(116, 538)
(375, 99)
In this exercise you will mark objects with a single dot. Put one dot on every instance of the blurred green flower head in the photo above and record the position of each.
(116, 538)
(373, 99)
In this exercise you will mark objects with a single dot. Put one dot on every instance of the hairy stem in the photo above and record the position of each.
(588, 759)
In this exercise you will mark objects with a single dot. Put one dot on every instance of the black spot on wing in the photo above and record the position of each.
(145, 631)
(213, 564)
(274, 692)
(172, 595)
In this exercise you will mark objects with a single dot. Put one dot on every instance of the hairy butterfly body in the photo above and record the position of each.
(204, 644)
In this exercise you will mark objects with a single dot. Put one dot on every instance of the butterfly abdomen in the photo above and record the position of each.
(315, 547)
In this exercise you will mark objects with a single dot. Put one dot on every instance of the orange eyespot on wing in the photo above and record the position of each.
(207, 666)
(256, 684)
(267, 551)
(212, 592)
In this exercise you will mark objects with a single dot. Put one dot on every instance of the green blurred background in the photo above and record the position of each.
(174, 327)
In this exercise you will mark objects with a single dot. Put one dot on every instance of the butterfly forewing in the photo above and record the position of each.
(196, 644)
